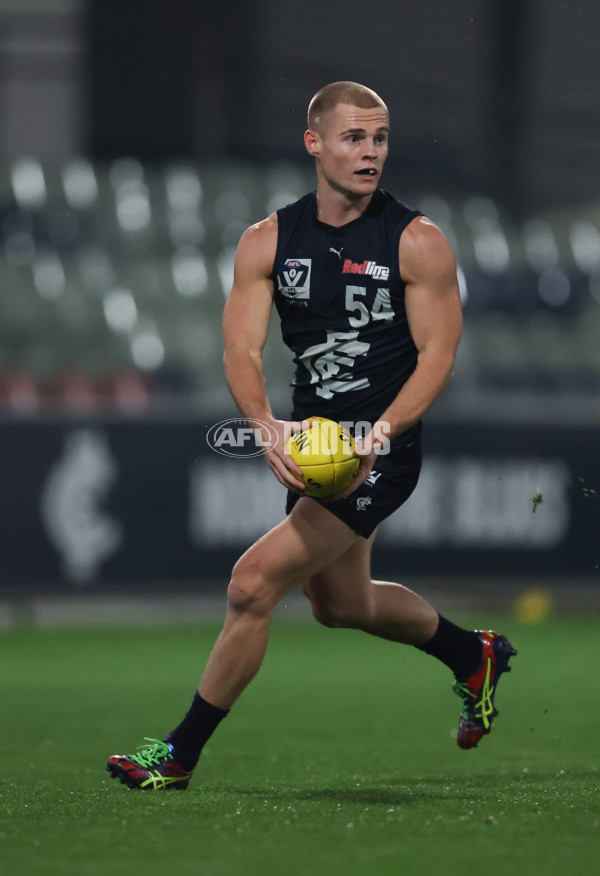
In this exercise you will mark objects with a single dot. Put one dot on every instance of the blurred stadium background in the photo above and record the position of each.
(138, 139)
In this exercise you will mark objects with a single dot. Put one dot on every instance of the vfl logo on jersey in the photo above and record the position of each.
(294, 279)
(370, 269)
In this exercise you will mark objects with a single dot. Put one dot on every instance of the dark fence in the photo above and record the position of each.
(120, 502)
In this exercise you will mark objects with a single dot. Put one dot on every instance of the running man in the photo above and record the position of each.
(367, 295)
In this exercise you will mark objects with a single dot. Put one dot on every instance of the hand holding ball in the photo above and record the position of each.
(325, 453)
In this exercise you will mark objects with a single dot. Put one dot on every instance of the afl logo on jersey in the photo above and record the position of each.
(294, 279)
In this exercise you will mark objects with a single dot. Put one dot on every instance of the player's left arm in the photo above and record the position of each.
(434, 312)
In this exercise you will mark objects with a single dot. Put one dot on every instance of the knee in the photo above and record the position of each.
(247, 591)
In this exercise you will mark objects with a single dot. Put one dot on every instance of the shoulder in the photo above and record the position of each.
(257, 246)
(424, 248)
(261, 234)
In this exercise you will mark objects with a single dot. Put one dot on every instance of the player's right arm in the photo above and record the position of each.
(245, 328)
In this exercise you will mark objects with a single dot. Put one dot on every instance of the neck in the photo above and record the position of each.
(336, 208)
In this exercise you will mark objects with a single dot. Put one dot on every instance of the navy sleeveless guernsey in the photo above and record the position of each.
(340, 299)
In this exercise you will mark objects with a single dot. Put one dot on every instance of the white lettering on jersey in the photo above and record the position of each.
(330, 364)
(381, 310)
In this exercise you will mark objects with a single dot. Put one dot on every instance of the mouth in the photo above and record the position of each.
(366, 171)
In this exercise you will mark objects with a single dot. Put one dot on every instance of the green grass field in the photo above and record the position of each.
(340, 758)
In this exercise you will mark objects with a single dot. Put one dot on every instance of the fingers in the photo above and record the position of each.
(362, 473)
(290, 428)
(284, 473)
(279, 459)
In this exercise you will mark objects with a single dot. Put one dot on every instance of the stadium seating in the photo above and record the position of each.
(113, 280)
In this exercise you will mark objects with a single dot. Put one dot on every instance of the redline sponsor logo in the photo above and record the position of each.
(369, 269)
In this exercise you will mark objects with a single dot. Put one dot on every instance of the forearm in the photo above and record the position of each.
(246, 381)
(247, 385)
(428, 381)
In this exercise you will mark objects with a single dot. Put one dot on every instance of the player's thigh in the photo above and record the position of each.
(344, 583)
(309, 539)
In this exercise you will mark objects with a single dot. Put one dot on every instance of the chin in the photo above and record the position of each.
(367, 186)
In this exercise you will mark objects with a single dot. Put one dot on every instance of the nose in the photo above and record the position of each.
(370, 148)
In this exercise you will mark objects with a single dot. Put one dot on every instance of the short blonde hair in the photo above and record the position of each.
(328, 97)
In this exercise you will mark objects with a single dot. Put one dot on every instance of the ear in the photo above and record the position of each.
(312, 141)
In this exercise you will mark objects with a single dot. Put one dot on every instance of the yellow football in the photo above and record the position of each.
(325, 453)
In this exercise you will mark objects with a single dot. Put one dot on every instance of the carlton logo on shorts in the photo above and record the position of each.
(294, 279)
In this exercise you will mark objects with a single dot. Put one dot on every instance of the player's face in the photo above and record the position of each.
(352, 148)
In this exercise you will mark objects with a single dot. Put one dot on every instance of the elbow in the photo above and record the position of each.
(226, 362)
(437, 368)
(448, 380)
(448, 372)
(440, 361)
(231, 364)
(236, 358)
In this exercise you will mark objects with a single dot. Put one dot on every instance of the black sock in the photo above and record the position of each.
(189, 738)
(459, 649)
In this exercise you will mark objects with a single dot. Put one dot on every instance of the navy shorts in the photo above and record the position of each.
(392, 480)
